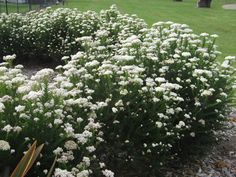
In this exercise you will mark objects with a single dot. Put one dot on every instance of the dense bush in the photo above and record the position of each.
(52, 33)
(128, 101)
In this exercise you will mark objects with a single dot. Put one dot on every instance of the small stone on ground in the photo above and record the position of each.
(230, 6)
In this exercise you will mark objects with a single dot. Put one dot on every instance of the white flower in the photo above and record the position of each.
(158, 24)
(197, 103)
(68, 128)
(224, 94)
(132, 40)
(119, 103)
(7, 128)
(192, 134)
(180, 125)
(43, 74)
(123, 58)
(108, 173)
(45, 171)
(124, 92)
(197, 72)
(9, 58)
(79, 120)
(170, 111)
(91, 148)
(225, 64)
(58, 121)
(17, 129)
(114, 110)
(70, 145)
(84, 173)
(186, 54)
(23, 89)
(65, 58)
(204, 34)
(102, 33)
(160, 79)
(62, 173)
(202, 121)
(86, 160)
(92, 63)
(187, 116)
(159, 124)
(160, 89)
(19, 108)
(2, 107)
(206, 93)
(171, 86)
(33, 95)
(102, 165)
(156, 99)
(214, 36)
(58, 151)
(4, 145)
(176, 56)
(230, 58)
(126, 141)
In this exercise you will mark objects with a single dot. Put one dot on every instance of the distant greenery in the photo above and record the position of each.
(214, 20)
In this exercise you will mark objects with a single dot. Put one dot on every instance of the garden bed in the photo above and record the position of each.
(129, 99)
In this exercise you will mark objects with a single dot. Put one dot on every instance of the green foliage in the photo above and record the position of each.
(128, 100)
(53, 33)
(27, 161)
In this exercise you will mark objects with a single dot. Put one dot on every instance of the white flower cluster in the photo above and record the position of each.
(46, 110)
(53, 32)
(4, 145)
(136, 91)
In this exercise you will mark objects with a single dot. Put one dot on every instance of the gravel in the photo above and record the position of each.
(220, 161)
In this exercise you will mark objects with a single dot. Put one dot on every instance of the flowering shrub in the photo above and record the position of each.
(52, 33)
(125, 104)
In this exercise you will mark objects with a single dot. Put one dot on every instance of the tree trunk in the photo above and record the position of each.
(204, 3)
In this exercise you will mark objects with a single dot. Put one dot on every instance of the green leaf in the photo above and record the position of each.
(52, 167)
(24, 163)
(27, 161)
(35, 155)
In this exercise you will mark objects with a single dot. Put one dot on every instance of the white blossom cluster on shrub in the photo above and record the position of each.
(126, 102)
(53, 32)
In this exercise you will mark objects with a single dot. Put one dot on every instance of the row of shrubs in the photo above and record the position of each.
(53, 33)
(125, 104)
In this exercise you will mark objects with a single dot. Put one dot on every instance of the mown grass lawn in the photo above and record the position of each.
(214, 20)
(12, 7)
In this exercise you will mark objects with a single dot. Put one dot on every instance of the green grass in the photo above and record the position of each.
(12, 7)
(214, 20)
